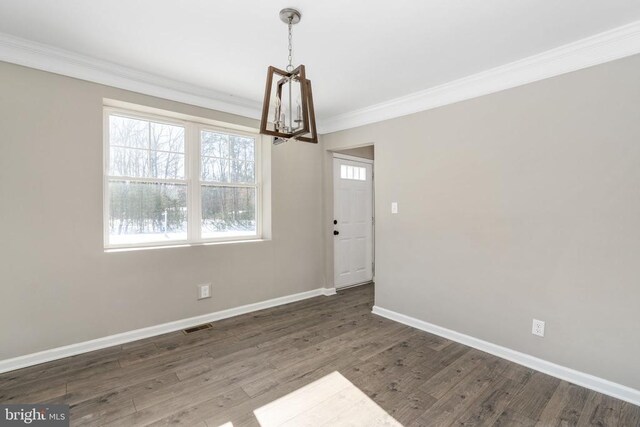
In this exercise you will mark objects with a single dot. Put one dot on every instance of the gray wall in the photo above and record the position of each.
(520, 204)
(59, 287)
(366, 152)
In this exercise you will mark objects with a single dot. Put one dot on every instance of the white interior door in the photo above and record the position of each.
(353, 222)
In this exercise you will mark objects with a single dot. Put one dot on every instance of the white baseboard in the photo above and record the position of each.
(137, 334)
(589, 381)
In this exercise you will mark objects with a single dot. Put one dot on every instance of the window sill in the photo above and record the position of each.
(181, 245)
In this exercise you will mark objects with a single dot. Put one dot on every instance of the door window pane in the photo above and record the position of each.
(353, 172)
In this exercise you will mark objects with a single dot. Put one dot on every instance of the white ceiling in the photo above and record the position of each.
(358, 52)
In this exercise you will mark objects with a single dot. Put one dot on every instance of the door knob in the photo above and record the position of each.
(336, 232)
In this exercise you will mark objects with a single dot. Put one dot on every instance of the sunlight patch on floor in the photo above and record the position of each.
(332, 401)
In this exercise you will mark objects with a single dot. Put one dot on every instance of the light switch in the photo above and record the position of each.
(394, 207)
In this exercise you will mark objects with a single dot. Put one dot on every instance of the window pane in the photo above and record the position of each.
(146, 164)
(227, 158)
(146, 212)
(242, 172)
(126, 132)
(167, 137)
(167, 165)
(143, 149)
(128, 162)
(228, 212)
(215, 144)
(215, 170)
(242, 148)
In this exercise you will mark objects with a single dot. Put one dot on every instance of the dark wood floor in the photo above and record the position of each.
(222, 374)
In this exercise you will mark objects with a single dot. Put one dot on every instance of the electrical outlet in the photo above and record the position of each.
(394, 207)
(204, 291)
(538, 328)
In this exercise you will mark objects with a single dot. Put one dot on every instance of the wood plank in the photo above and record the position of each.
(629, 415)
(183, 410)
(409, 408)
(565, 406)
(457, 400)
(600, 410)
(490, 404)
(531, 400)
(438, 385)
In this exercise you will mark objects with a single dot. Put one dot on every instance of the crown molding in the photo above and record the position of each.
(603, 47)
(44, 57)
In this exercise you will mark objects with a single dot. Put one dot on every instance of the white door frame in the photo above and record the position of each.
(352, 158)
(373, 213)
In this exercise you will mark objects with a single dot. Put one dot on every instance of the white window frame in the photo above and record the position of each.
(193, 128)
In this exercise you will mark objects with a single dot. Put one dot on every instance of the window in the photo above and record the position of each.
(170, 182)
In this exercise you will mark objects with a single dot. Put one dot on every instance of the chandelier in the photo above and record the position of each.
(287, 110)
